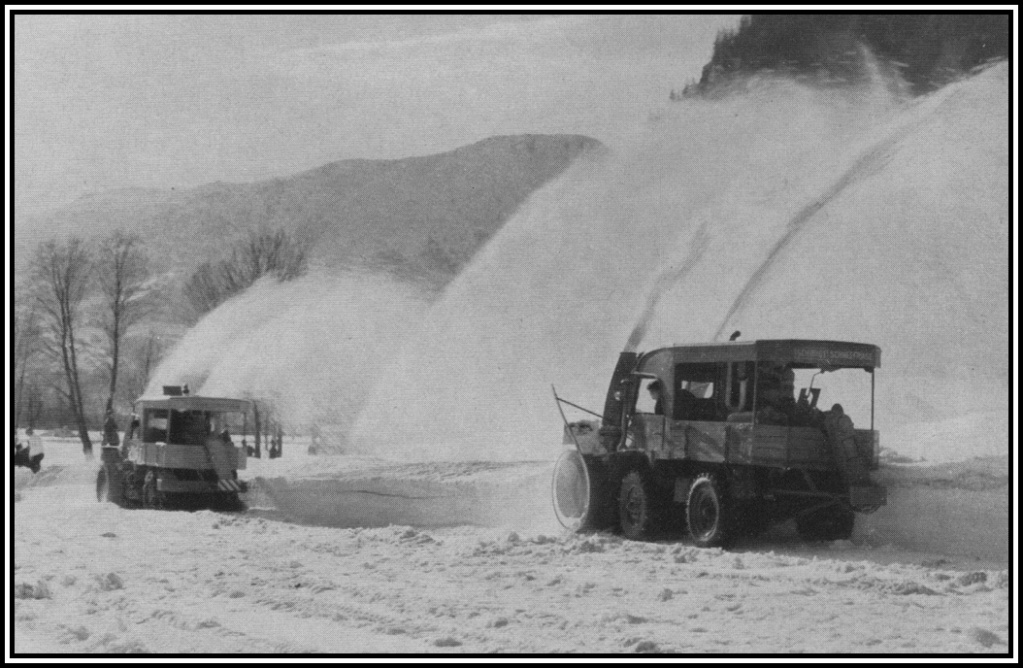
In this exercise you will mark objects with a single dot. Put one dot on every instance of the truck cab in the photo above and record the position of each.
(762, 428)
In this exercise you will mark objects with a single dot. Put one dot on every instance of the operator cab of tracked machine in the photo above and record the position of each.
(764, 419)
(176, 446)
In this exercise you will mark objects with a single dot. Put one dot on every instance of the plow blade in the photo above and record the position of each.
(578, 492)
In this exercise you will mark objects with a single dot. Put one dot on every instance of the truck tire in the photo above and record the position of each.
(639, 506)
(102, 485)
(832, 523)
(151, 497)
(708, 516)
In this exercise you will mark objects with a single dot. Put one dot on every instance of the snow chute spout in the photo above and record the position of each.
(579, 492)
(571, 490)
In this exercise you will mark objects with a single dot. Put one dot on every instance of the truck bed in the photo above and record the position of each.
(722, 442)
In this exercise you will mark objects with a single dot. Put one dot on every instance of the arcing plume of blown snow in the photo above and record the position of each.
(787, 212)
(311, 348)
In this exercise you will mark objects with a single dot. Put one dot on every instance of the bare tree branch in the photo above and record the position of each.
(61, 275)
(261, 253)
(122, 274)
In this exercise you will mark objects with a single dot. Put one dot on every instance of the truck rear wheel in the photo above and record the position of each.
(639, 508)
(707, 513)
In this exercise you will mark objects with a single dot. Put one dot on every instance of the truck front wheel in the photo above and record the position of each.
(707, 513)
(639, 511)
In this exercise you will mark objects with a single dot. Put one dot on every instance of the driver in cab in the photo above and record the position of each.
(775, 387)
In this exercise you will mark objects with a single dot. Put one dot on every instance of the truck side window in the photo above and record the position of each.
(155, 425)
(739, 387)
(651, 397)
(695, 392)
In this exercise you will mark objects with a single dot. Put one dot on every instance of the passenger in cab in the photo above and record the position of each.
(656, 390)
(775, 401)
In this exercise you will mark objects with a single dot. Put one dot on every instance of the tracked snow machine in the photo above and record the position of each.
(178, 450)
(713, 437)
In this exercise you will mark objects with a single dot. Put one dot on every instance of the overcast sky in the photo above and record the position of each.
(145, 100)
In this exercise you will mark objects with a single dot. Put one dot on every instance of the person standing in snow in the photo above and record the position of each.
(110, 435)
(34, 451)
(20, 453)
(841, 436)
(314, 440)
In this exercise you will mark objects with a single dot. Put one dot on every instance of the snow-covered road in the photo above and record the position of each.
(92, 577)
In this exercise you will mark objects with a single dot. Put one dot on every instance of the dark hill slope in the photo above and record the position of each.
(421, 216)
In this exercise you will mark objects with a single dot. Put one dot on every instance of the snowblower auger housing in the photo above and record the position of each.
(718, 435)
(178, 448)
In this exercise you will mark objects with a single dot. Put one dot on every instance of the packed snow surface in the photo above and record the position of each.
(345, 554)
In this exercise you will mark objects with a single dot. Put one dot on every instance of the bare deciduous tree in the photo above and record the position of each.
(122, 272)
(203, 289)
(26, 345)
(260, 254)
(141, 357)
(33, 395)
(61, 274)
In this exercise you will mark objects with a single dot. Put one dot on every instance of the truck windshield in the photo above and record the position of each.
(189, 427)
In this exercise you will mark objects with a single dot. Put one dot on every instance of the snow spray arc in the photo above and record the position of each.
(679, 237)
(310, 348)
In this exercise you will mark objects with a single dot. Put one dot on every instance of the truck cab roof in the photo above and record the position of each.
(798, 352)
(196, 403)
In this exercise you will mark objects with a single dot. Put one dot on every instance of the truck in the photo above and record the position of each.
(713, 438)
(177, 450)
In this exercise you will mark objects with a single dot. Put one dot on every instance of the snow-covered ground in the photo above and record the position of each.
(342, 554)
